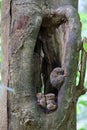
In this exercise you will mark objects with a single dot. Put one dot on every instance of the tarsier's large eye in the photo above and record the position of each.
(62, 72)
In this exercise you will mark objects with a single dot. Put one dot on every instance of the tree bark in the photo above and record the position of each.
(37, 37)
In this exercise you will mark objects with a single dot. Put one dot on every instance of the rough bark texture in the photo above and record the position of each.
(37, 37)
(5, 41)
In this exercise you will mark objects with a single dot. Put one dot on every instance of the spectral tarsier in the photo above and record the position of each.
(57, 77)
(48, 101)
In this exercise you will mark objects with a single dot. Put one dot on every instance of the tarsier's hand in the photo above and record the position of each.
(47, 101)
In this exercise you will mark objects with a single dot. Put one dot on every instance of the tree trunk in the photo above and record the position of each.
(38, 36)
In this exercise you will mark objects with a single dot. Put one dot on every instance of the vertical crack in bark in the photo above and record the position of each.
(8, 102)
(10, 11)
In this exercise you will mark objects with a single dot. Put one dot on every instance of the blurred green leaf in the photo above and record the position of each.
(83, 103)
(81, 113)
(77, 79)
(85, 47)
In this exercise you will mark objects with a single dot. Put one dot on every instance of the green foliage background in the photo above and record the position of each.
(82, 102)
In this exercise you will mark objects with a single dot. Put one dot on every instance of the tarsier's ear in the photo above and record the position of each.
(39, 95)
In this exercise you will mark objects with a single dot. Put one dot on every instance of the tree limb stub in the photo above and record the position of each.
(81, 89)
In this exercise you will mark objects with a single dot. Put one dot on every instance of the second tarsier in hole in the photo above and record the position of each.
(49, 101)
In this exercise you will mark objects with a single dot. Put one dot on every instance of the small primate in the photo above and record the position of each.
(57, 77)
(47, 101)
(51, 105)
(41, 100)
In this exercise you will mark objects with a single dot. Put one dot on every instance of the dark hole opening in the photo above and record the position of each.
(45, 60)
